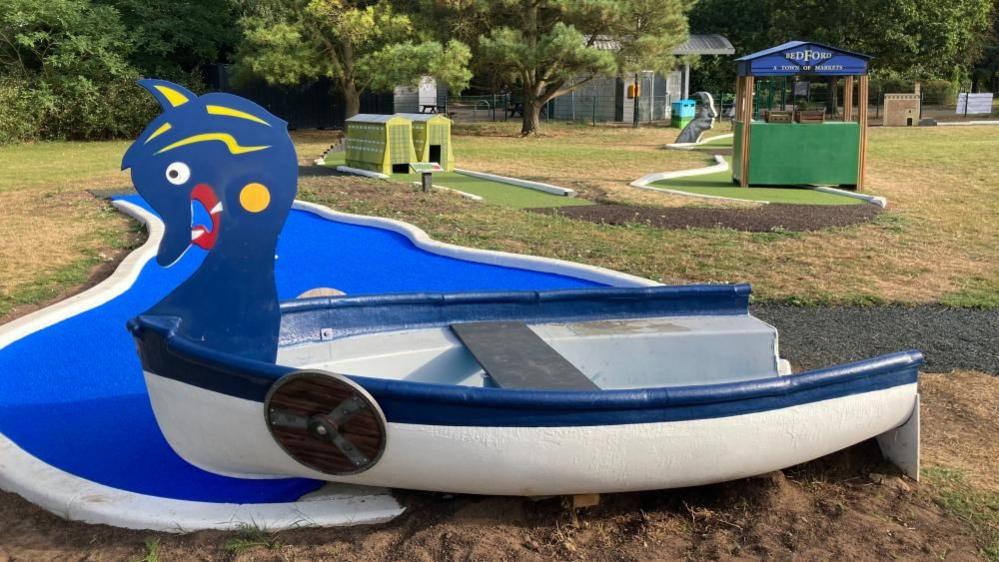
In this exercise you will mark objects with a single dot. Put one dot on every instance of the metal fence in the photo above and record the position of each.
(570, 107)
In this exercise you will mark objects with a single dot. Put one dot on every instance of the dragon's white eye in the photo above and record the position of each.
(178, 173)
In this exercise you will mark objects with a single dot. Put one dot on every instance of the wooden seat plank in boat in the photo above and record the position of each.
(515, 357)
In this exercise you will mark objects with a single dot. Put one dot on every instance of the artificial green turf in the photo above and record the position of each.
(720, 184)
(500, 193)
(718, 141)
(493, 192)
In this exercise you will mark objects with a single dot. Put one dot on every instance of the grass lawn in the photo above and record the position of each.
(936, 242)
(493, 192)
(719, 184)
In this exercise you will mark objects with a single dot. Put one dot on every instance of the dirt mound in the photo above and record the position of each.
(849, 505)
(764, 218)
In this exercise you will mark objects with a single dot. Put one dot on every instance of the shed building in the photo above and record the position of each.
(613, 99)
(379, 143)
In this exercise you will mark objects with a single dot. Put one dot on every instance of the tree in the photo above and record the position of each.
(173, 38)
(64, 72)
(360, 45)
(654, 29)
(555, 46)
(914, 39)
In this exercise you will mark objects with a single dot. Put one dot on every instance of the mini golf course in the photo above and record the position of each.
(493, 192)
(719, 184)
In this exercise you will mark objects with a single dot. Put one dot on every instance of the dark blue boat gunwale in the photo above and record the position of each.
(167, 354)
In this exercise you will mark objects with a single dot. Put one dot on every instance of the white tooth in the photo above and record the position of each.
(216, 209)
(195, 234)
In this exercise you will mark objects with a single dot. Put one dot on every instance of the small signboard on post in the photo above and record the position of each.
(426, 171)
(974, 104)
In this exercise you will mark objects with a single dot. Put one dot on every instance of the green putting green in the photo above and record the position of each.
(493, 192)
(719, 184)
(718, 141)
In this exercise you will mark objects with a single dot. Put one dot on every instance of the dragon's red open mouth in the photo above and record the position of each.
(202, 236)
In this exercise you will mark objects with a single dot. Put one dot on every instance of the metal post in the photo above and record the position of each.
(594, 111)
(686, 80)
(494, 108)
(427, 181)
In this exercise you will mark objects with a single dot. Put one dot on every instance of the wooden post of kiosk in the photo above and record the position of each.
(848, 98)
(746, 105)
(862, 122)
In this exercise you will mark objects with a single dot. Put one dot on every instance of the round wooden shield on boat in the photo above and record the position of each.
(326, 421)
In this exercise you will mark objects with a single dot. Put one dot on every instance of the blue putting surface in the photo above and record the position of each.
(73, 394)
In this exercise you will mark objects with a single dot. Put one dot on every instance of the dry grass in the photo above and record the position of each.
(938, 241)
(960, 424)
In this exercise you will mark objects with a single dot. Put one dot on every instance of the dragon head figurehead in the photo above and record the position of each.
(221, 172)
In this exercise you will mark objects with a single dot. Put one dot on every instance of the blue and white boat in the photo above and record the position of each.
(513, 393)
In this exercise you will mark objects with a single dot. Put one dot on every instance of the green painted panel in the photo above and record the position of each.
(796, 154)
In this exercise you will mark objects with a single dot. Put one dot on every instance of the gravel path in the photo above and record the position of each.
(950, 338)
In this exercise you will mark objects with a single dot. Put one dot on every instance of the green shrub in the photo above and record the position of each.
(939, 92)
(66, 73)
(76, 108)
(19, 112)
(893, 86)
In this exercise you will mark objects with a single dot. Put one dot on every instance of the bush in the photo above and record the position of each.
(76, 108)
(19, 112)
(893, 86)
(939, 92)
(66, 73)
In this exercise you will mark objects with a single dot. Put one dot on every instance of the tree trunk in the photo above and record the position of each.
(832, 105)
(638, 102)
(351, 99)
(532, 117)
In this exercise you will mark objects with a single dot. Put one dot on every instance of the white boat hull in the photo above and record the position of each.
(228, 435)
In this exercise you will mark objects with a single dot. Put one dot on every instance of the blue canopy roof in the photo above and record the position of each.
(803, 57)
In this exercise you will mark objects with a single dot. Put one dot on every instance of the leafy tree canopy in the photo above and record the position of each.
(551, 47)
(914, 39)
(171, 38)
(362, 46)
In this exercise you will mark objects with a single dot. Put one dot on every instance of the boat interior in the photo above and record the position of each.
(624, 353)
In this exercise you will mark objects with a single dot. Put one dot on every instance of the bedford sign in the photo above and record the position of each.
(808, 55)
(798, 57)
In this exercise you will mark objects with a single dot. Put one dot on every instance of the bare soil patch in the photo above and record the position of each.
(762, 218)
(849, 505)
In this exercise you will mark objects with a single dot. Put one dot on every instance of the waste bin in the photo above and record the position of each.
(682, 112)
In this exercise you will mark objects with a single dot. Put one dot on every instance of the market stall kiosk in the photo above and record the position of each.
(800, 147)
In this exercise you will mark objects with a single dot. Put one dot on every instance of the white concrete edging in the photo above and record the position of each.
(360, 172)
(536, 185)
(872, 199)
(721, 165)
(700, 142)
(966, 123)
(79, 499)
